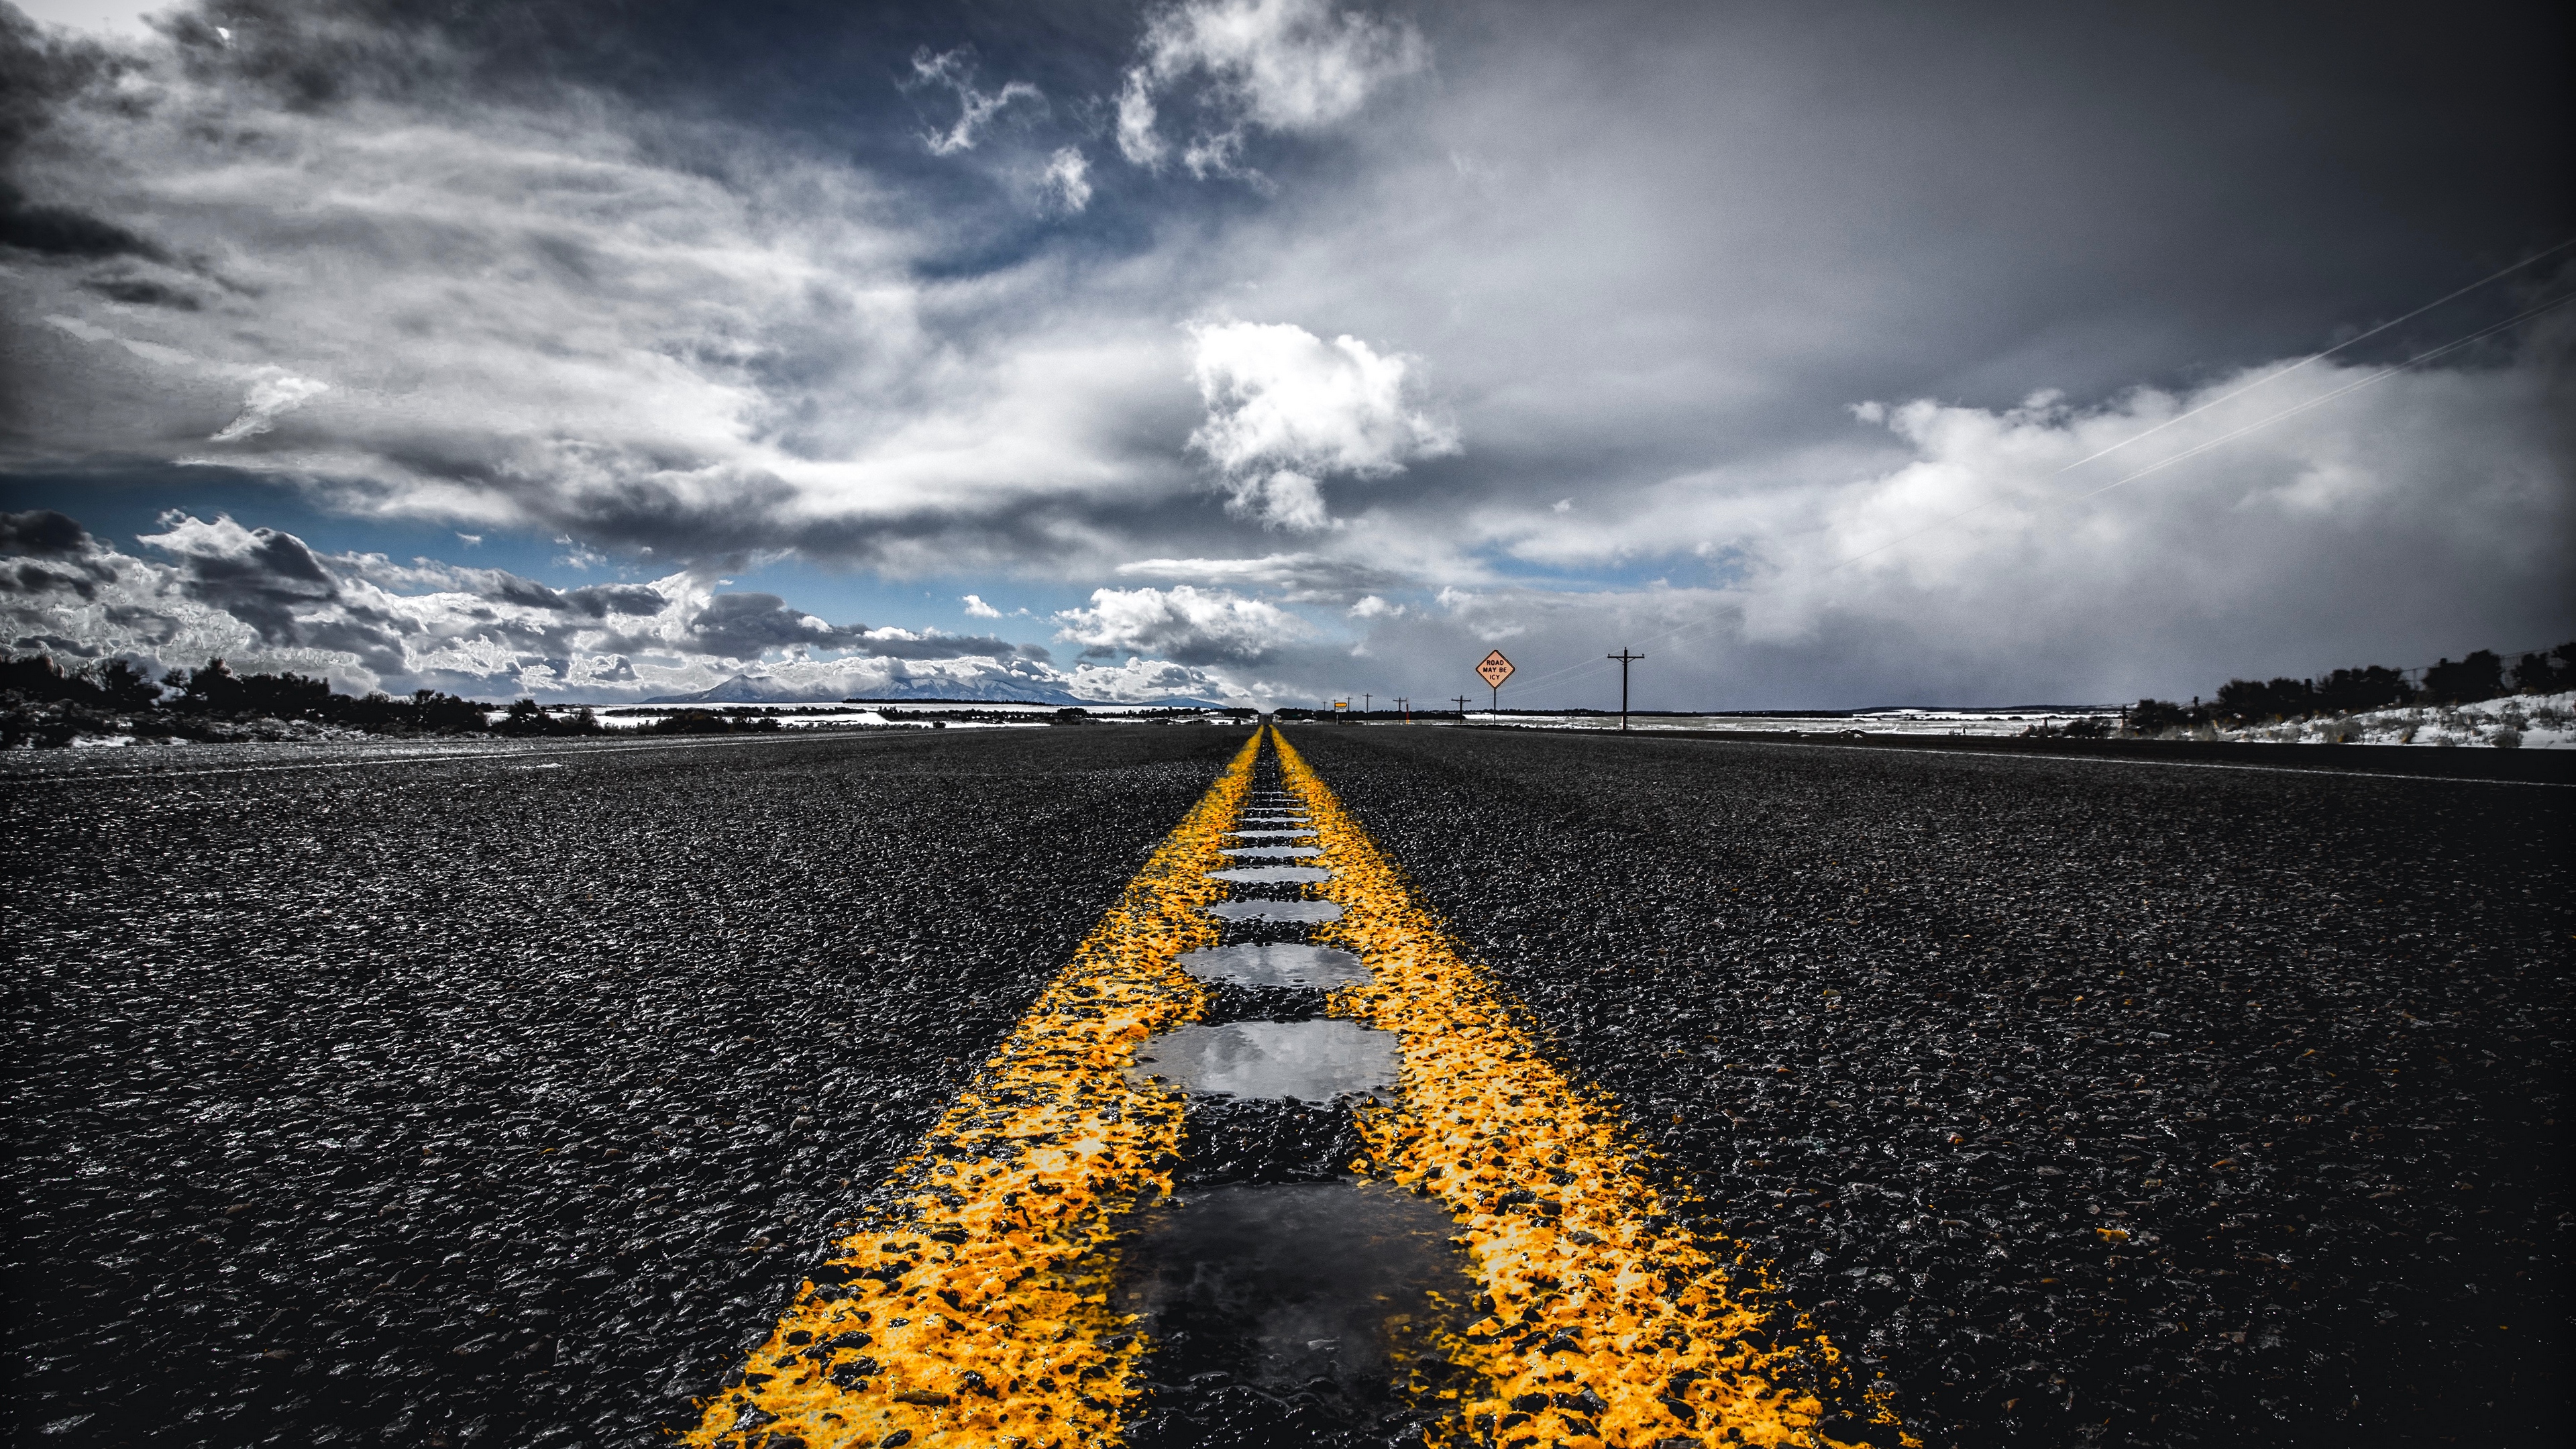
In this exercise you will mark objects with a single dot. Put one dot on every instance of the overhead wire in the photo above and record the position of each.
(2202, 447)
(1681, 631)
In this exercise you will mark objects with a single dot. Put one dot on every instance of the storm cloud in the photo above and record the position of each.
(1326, 345)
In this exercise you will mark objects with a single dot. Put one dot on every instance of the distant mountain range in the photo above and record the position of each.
(767, 689)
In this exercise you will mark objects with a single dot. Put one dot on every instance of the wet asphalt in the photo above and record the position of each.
(2087, 1102)
(503, 1099)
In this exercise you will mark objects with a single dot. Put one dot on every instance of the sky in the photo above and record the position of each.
(1277, 351)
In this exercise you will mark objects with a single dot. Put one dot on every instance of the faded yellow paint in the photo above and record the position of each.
(977, 1311)
(1608, 1322)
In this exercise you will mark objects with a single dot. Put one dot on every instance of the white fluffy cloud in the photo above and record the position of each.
(1279, 65)
(269, 396)
(1286, 408)
(1654, 265)
(2420, 517)
(536, 319)
(976, 608)
(264, 601)
(1066, 183)
(1144, 681)
(955, 70)
(1192, 626)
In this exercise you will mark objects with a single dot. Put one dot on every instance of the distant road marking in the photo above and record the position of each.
(1608, 1321)
(977, 1311)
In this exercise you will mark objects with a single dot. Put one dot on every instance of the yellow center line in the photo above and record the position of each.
(976, 1311)
(1607, 1321)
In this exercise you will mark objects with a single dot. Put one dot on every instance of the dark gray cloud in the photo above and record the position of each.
(276, 586)
(746, 626)
(43, 533)
(59, 231)
(1600, 292)
(601, 600)
(53, 554)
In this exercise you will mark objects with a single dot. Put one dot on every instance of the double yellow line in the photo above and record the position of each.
(977, 1310)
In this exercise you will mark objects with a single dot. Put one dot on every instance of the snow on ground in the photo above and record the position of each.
(2524, 721)
(1873, 722)
(915, 716)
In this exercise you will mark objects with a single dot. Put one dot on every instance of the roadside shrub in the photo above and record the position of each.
(704, 722)
(2373, 686)
(2548, 671)
(108, 684)
(2155, 716)
(527, 717)
(2479, 676)
(2247, 701)
(215, 689)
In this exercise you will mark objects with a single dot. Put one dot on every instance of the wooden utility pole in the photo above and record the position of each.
(1625, 659)
(1403, 712)
(1461, 701)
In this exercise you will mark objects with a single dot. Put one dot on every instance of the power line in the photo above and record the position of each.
(2320, 356)
(2204, 446)
(1682, 630)
(2353, 386)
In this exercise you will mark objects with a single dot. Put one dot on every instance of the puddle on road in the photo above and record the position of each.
(1276, 910)
(1276, 964)
(1333, 1299)
(1273, 875)
(1312, 1061)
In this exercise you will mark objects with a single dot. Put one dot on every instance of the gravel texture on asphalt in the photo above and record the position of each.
(503, 1099)
(2091, 1103)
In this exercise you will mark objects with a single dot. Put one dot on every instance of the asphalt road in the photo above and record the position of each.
(502, 1099)
(2089, 1102)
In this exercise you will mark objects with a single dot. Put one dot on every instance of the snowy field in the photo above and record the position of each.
(2517, 721)
(2004, 721)
(2524, 721)
(963, 714)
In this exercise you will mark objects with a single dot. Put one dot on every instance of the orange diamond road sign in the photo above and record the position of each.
(1495, 669)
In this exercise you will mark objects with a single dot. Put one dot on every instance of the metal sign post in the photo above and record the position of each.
(1494, 670)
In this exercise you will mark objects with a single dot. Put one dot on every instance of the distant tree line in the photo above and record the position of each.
(2482, 675)
(711, 722)
(44, 704)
